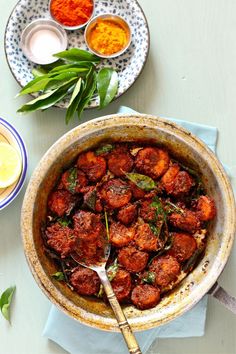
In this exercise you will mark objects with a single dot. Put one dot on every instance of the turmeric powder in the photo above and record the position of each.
(108, 37)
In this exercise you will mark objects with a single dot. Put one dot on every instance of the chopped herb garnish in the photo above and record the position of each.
(173, 208)
(157, 204)
(63, 222)
(59, 276)
(112, 270)
(104, 149)
(72, 179)
(149, 278)
(156, 230)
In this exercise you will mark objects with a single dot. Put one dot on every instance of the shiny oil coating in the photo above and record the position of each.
(131, 127)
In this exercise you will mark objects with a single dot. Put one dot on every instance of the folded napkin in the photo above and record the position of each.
(77, 338)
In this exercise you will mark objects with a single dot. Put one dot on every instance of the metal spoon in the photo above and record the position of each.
(124, 326)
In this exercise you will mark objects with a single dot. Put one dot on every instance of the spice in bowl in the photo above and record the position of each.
(72, 14)
(41, 39)
(108, 35)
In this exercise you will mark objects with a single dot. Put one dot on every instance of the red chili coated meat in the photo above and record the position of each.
(137, 192)
(152, 161)
(183, 246)
(61, 238)
(88, 226)
(85, 281)
(73, 180)
(166, 269)
(115, 193)
(168, 178)
(87, 251)
(188, 221)
(145, 239)
(206, 209)
(94, 166)
(120, 161)
(182, 184)
(148, 212)
(132, 259)
(61, 202)
(145, 296)
(120, 235)
(127, 214)
(121, 285)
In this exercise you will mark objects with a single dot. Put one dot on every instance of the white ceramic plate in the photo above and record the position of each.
(129, 65)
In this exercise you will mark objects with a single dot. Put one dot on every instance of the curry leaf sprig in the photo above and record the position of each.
(74, 77)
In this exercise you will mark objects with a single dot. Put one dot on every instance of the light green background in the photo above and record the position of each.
(190, 74)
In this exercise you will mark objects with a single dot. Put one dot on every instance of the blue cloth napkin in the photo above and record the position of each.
(77, 338)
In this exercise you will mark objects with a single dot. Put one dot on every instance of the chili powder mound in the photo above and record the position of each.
(71, 12)
(108, 37)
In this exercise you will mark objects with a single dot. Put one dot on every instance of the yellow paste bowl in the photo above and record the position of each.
(108, 35)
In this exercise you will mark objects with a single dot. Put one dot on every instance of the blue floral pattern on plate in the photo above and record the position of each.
(129, 65)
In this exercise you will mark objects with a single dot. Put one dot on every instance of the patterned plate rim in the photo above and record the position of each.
(120, 94)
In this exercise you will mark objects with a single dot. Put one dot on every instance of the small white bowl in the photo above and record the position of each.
(8, 134)
(41, 39)
(71, 28)
(114, 18)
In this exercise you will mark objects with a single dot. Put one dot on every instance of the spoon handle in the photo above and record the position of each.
(124, 326)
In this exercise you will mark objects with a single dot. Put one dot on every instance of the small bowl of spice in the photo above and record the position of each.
(41, 39)
(71, 14)
(107, 35)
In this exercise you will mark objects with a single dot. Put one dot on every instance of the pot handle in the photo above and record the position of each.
(220, 294)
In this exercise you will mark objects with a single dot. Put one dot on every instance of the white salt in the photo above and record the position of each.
(43, 44)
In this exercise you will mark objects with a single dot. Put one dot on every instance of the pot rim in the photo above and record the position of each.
(151, 121)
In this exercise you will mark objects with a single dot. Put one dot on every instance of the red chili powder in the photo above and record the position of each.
(71, 12)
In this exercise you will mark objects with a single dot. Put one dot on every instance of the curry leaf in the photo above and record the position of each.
(107, 85)
(90, 200)
(35, 85)
(144, 182)
(59, 80)
(38, 72)
(72, 179)
(48, 99)
(104, 149)
(77, 55)
(89, 88)
(191, 262)
(74, 101)
(80, 64)
(46, 82)
(157, 204)
(5, 302)
(59, 276)
(72, 69)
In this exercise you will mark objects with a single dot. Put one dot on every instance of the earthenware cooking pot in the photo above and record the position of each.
(184, 146)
